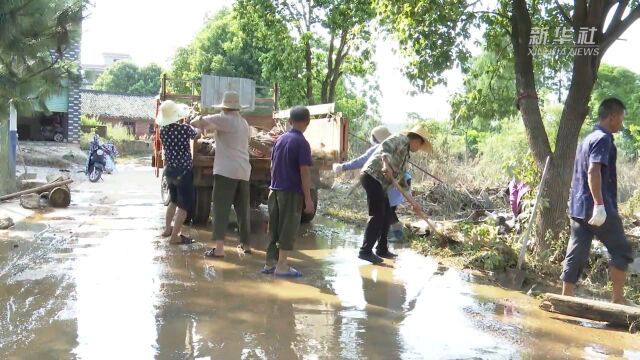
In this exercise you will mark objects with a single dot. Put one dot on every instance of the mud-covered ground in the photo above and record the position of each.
(95, 281)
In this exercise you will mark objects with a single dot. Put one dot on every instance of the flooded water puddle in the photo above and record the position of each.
(100, 284)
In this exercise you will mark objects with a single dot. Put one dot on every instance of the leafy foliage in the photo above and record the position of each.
(294, 32)
(35, 36)
(127, 78)
(253, 40)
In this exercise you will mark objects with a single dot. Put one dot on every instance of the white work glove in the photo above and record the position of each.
(599, 216)
(337, 168)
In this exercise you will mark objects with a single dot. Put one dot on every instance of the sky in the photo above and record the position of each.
(152, 30)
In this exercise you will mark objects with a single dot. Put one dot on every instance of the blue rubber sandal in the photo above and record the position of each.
(291, 273)
(268, 270)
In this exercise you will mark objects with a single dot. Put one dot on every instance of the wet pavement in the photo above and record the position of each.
(96, 282)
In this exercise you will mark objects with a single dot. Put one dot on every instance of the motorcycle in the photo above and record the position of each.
(52, 130)
(97, 163)
(96, 159)
(55, 133)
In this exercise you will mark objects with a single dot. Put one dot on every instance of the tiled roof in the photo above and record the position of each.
(97, 103)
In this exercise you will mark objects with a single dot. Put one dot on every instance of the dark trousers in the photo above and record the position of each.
(394, 215)
(611, 235)
(379, 216)
(228, 192)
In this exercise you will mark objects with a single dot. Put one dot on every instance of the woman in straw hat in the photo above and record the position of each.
(175, 138)
(388, 163)
(231, 171)
(378, 135)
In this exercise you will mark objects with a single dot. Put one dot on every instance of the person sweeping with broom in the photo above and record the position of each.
(378, 135)
(385, 167)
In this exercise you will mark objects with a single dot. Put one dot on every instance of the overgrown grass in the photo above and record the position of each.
(115, 133)
(346, 215)
(479, 247)
(90, 121)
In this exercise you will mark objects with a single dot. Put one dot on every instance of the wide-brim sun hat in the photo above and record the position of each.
(230, 101)
(422, 132)
(170, 112)
(380, 133)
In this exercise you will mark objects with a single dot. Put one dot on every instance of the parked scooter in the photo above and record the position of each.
(97, 161)
(112, 154)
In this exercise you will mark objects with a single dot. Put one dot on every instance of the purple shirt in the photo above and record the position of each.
(597, 147)
(290, 153)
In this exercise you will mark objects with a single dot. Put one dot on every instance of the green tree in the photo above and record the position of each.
(220, 48)
(127, 78)
(247, 42)
(450, 22)
(35, 37)
(345, 50)
(623, 84)
(488, 96)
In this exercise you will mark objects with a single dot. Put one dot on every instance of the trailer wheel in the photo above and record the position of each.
(202, 206)
(306, 218)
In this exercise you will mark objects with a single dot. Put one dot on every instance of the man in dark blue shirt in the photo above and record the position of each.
(593, 204)
(290, 192)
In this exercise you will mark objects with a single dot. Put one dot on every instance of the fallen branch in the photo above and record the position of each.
(35, 190)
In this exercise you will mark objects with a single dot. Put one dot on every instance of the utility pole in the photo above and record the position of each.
(8, 144)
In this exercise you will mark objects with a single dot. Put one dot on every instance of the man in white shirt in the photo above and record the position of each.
(231, 171)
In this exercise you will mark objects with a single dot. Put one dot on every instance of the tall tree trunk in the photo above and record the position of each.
(553, 219)
(556, 192)
(308, 54)
(309, 71)
(324, 95)
(527, 96)
(336, 73)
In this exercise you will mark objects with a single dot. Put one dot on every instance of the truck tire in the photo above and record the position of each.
(306, 218)
(202, 206)
(164, 191)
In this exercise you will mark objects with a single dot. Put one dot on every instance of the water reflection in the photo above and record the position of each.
(116, 290)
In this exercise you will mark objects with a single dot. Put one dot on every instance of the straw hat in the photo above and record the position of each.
(230, 101)
(380, 133)
(170, 112)
(422, 132)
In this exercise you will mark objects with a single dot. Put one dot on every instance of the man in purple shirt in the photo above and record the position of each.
(290, 192)
(594, 203)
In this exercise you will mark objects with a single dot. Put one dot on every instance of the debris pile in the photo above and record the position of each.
(55, 192)
(260, 144)
(459, 203)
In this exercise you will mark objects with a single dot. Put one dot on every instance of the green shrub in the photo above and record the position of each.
(85, 140)
(632, 206)
(89, 121)
(118, 133)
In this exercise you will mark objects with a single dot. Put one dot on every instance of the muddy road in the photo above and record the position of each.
(95, 281)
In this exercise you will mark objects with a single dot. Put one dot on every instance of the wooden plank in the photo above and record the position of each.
(313, 109)
(614, 314)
